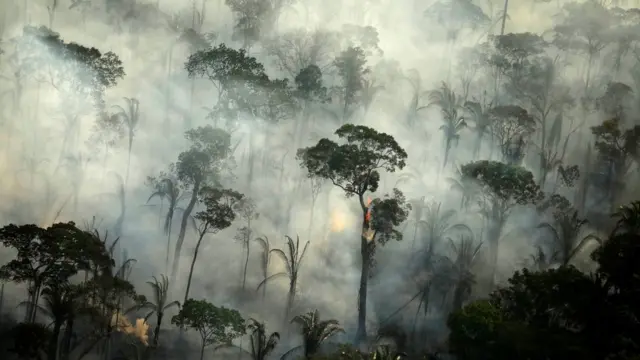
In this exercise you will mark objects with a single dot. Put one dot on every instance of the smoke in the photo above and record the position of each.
(45, 180)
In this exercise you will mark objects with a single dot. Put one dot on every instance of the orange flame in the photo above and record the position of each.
(367, 216)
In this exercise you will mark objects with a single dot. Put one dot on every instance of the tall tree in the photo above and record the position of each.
(355, 168)
(130, 117)
(246, 209)
(218, 214)
(449, 105)
(203, 164)
(265, 260)
(292, 260)
(159, 305)
(167, 188)
(352, 69)
(503, 188)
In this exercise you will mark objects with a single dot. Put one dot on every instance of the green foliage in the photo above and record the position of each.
(509, 184)
(74, 69)
(261, 344)
(574, 314)
(309, 84)
(351, 65)
(353, 166)
(315, 331)
(615, 143)
(207, 157)
(226, 67)
(216, 325)
(52, 254)
(387, 214)
(219, 206)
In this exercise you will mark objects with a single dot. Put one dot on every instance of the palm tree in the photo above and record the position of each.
(265, 259)
(417, 211)
(467, 189)
(628, 218)
(566, 232)
(438, 225)
(466, 256)
(479, 115)
(449, 105)
(130, 117)
(315, 331)
(160, 303)
(292, 260)
(261, 344)
(168, 189)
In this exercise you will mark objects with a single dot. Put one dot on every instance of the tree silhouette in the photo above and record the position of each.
(503, 187)
(355, 168)
(217, 326)
(130, 117)
(261, 344)
(265, 259)
(219, 213)
(292, 260)
(246, 210)
(449, 105)
(351, 66)
(204, 163)
(315, 331)
(159, 305)
(166, 188)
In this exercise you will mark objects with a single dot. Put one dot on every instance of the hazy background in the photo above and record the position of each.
(410, 44)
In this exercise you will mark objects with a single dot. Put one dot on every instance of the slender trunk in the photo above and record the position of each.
(361, 333)
(66, 339)
(589, 64)
(193, 264)
(156, 334)
(202, 350)
(52, 351)
(504, 16)
(126, 179)
(183, 229)
(246, 264)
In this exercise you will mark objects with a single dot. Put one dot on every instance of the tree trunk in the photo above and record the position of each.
(66, 339)
(193, 264)
(183, 230)
(52, 351)
(361, 333)
(202, 350)
(156, 334)
(246, 264)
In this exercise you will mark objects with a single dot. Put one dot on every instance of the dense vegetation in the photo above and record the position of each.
(276, 123)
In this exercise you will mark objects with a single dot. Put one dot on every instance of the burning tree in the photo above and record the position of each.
(354, 167)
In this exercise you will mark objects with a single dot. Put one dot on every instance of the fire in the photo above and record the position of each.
(139, 330)
(338, 221)
(368, 215)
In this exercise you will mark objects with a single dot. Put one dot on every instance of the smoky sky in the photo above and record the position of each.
(412, 52)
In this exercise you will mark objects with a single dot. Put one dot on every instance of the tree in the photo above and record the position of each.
(449, 105)
(510, 126)
(315, 331)
(166, 188)
(584, 28)
(130, 118)
(46, 256)
(159, 305)
(465, 258)
(618, 149)
(503, 187)
(216, 326)
(203, 164)
(265, 259)
(246, 209)
(352, 69)
(566, 235)
(219, 213)
(78, 73)
(292, 260)
(479, 115)
(261, 344)
(355, 168)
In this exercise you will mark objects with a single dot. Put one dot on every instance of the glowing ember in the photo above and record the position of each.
(368, 232)
(368, 215)
(139, 330)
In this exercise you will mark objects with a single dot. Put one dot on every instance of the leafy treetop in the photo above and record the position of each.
(216, 325)
(354, 166)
